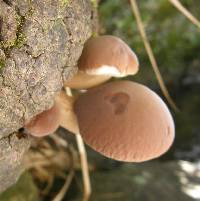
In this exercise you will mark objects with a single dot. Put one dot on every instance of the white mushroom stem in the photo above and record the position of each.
(83, 80)
(68, 119)
(83, 158)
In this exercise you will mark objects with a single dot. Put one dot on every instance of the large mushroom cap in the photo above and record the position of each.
(108, 55)
(125, 121)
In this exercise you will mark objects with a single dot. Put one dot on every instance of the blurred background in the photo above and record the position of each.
(173, 177)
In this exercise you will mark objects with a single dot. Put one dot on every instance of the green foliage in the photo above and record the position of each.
(174, 39)
(23, 190)
(2, 63)
(176, 44)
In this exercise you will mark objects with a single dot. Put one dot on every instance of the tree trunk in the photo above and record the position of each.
(40, 43)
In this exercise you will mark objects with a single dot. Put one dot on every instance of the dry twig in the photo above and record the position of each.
(177, 4)
(61, 194)
(49, 161)
(69, 177)
(152, 59)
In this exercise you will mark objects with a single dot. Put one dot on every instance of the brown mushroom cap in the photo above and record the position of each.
(103, 57)
(125, 121)
(108, 55)
(44, 123)
(61, 114)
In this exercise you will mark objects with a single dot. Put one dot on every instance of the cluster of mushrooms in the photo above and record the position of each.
(122, 120)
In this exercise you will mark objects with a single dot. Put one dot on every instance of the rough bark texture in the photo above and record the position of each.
(11, 153)
(40, 43)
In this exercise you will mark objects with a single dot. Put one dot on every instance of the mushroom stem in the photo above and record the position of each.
(68, 119)
(83, 159)
(83, 80)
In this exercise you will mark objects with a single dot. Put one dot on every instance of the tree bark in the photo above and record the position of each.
(40, 43)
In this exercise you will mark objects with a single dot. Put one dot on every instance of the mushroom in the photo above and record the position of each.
(61, 114)
(125, 121)
(44, 123)
(68, 118)
(103, 57)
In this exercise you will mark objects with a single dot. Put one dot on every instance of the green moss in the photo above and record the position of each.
(19, 42)
(7, 44)
(18, 20)
(20, 37)
(94, 3)
(2, 63)
(64, 2)
(23, 190)
(94, 34)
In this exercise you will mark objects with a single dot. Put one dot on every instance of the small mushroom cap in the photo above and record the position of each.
(44, 123)
(108, 55)
(125, 121)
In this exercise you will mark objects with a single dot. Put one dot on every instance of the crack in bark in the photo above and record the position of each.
(8, 2)
(8, 139)
(1, 24)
